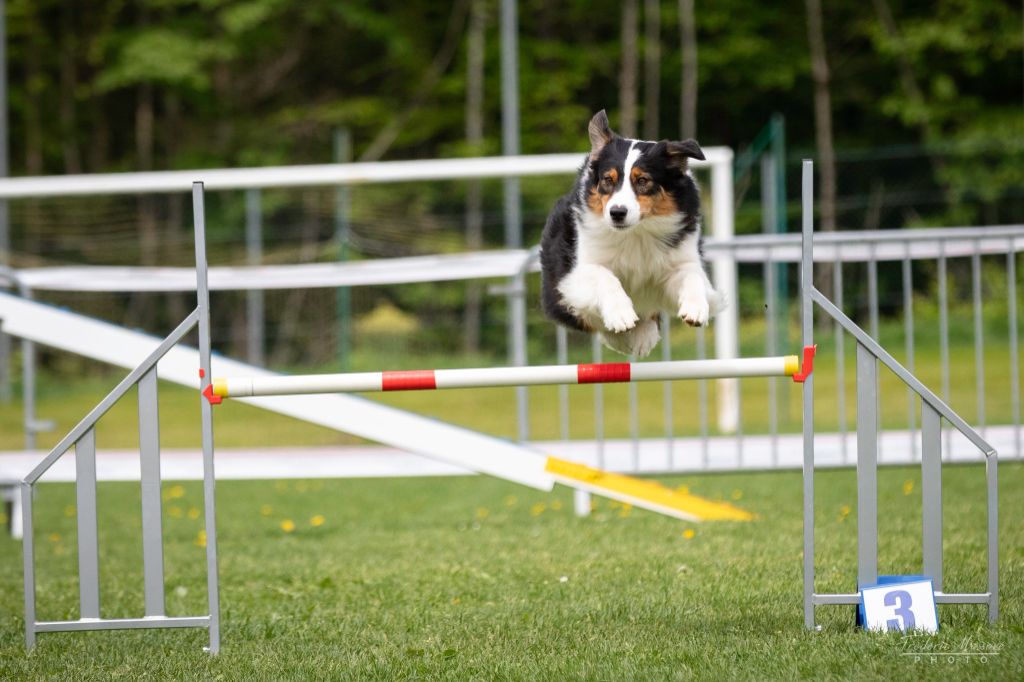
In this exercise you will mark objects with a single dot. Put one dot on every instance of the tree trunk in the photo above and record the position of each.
(627, 74)
(68, 85)
(688, 92)
(652, 67)
(33, 88)
(474, 142)
(148, 231)
(823, 134)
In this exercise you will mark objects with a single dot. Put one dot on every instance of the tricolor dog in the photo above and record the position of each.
(625, 243)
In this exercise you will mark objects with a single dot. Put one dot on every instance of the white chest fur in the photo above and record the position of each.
(640, 257)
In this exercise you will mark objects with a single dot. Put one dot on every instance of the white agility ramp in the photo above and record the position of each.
(117, 346)
(452, 445)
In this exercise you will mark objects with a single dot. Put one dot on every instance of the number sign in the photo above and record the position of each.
(900, 606)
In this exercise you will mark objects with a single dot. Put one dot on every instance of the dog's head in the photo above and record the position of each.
(632, 180)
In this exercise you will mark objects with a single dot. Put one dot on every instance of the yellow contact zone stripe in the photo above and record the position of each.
(220, 387)
(649, 491)
(792, 365)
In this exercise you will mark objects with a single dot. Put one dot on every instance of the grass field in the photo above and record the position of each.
(474, 578)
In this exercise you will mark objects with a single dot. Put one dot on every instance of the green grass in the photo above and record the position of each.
(475, 578)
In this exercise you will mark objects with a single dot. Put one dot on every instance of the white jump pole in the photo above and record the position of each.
(430, 379)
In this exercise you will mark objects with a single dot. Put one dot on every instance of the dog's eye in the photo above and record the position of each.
(607, 182)
(643, 184)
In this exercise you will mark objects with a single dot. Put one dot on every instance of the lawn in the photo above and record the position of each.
(475, 578)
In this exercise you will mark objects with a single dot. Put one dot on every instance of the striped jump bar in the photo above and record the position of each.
(430, 379)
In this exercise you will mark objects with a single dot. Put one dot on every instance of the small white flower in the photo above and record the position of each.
(564, 579)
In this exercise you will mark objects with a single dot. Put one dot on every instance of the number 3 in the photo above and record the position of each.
(903, 610)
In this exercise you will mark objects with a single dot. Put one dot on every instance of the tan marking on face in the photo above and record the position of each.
(598, 199)
(659, 203)
(655, 203)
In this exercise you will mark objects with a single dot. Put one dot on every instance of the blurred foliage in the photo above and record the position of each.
(927, 106)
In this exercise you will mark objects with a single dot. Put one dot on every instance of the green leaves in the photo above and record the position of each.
(161, 56)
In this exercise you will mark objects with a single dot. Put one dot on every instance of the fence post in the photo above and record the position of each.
(206, 413)
(807, 328)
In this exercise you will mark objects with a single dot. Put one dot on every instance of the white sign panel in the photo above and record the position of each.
(900, 606)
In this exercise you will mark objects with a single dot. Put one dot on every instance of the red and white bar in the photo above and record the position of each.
(430, 379)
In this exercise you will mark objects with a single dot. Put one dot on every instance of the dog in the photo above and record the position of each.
(625, 243)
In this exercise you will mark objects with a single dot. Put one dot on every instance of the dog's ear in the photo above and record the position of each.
(600, 133)
(678, 152)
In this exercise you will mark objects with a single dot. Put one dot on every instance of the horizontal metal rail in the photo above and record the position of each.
(122, 623)
(888, 245)
(430, 379)
(327, 174)
(940, 598)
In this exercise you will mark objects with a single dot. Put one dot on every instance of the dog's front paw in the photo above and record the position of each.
(618, 314)
(694, 310)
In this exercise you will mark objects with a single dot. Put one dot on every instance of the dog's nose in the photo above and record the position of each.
(618, 213)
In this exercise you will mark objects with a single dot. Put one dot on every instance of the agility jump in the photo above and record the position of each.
(491, 377)
(528, 467)
(644, 494)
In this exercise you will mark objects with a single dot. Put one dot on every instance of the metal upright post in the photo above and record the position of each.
(510, 147)
(342, 237)
(510, 118)
(666, 356)
(5, 235)
(88, 535)
(562, 351)
(908, 340)
(254, 298)
(807, 324)
(206, 410)
(867, 467)
(152, 530)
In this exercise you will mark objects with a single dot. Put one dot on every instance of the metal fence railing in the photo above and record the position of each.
(898, 280)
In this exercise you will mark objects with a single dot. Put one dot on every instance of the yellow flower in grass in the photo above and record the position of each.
(684, 489)
(737, 494)
(538, 509)
(266, 510)
(174, 492)
(317, 520)
(69, 511)
(482, 512)
(510, 500)
(201, 538)
(193, 513)
(844, 511)
(689, 533)
(287, 525)
(556, 505)
(908, 487)
(174, 512)
(54, 537)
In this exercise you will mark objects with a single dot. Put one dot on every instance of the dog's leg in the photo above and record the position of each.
(693, 292)
(594, 293)
(638, 341)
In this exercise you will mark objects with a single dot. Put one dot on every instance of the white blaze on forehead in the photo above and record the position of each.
(626, 197)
